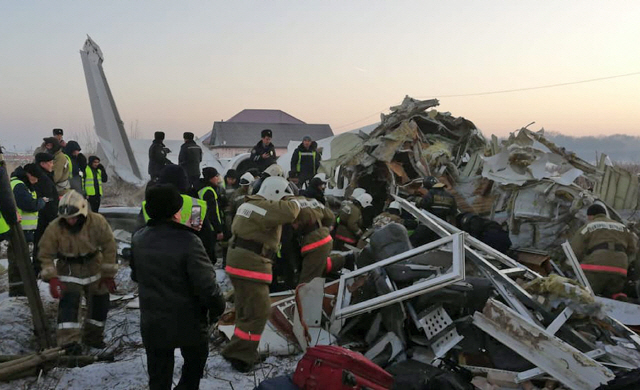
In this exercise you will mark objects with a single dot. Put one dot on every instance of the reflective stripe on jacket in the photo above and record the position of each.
(201, 194)
(89, 181)
(185, 211)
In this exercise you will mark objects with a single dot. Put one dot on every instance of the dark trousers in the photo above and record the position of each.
(94, 202)
(160, 367)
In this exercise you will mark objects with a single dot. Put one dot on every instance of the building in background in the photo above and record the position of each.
(242, 131)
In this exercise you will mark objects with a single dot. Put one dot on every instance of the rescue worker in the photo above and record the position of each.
(315, 189)
(603, 247)
(157, 156)
(314, 225)
(230, 182)
(438, 201)
(209, 192)
(58, 134)
(350, 227)
(263, 154)
(190, 158)
(94, 176)
(177, 286)
(305, 160)
(238, 197)
(45, 188)
(271, 170)
(23, 180)
(83, 244)
(61, 165)
(77, 164)
(256, 234)
(392, 214)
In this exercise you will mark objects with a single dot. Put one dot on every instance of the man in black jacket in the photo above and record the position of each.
(157, 155)
(177, 288)
(78, 164)
(190, 158)
(305, 160)
(315, 190)
(264, 153)
(45, 188)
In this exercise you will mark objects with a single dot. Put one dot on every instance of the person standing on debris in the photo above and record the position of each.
(438, 200)
(77, 163)
(256, 234)
(603, 247)
(305, 160)
(350, 226)
(177, 287)
(85, 249)
(210, 193)
(190, 158)
(263, 154)
(94, 176)
(23, 180)
(45, 188)
(157, 155)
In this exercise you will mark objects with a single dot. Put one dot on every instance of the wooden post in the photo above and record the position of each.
(27, 273)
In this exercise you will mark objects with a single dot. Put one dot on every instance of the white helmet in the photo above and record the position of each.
(394, 205)
(274, 170)
(275, 188)
(365, 200)
(246, 179)
(73, 204)
(357, 192)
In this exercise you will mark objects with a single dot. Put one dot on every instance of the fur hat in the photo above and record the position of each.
(266, 133)
(43, 157)
(158, 135)
(163, 201)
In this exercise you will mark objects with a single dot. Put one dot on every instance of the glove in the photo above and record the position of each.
(56, 287)
(109, 283)
(101, 167)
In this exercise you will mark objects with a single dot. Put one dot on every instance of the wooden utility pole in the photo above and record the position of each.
(23, 261)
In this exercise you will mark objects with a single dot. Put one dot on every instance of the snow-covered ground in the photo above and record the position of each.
(122, 336)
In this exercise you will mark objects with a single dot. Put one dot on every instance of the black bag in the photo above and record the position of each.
(626, 381)
(278, 383)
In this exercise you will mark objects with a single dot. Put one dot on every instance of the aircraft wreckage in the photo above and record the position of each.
(507, 319)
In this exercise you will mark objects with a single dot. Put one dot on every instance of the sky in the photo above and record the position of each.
(179, 66)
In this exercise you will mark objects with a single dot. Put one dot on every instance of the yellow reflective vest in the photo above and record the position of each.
(185, 212)
(89, 181)
(201, 194)
(4, 226)
(29, 219)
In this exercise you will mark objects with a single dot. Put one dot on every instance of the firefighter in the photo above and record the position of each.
(305, 160)
(83, 244)
(438, 201)
(603, 247)
(61, 165)
(238, 196)
(94, 176)
(263, 154)
(256, 234)
(23, 180)
(350, 227)
(314, 225)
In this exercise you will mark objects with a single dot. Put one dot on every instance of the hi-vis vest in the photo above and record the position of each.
(201, 194)
(312, 154)
(4, 226)
(70, 165)
(29, 220)
(89, 181)
(185, 212)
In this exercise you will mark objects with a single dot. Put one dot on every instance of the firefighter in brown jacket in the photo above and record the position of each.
(603, 247)
(314, 226)
(350, 227)
(256, 231)
(83, 244)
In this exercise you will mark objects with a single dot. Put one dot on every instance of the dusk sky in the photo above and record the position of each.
(180, 66)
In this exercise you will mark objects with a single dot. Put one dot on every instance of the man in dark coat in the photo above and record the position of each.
(263, 154)
(78, 164)
(190, 158)
(94, 176)
(305, 160)
(177, 287)
(45, 188)
(315, 190)
(157, 155)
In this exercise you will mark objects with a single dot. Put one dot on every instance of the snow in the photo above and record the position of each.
(122, 336)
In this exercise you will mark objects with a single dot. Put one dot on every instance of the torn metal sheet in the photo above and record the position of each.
(377, 353)
(617, 187)
(559, 359)
(344, 309)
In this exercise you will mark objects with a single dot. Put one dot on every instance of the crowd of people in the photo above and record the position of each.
(272, 233)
